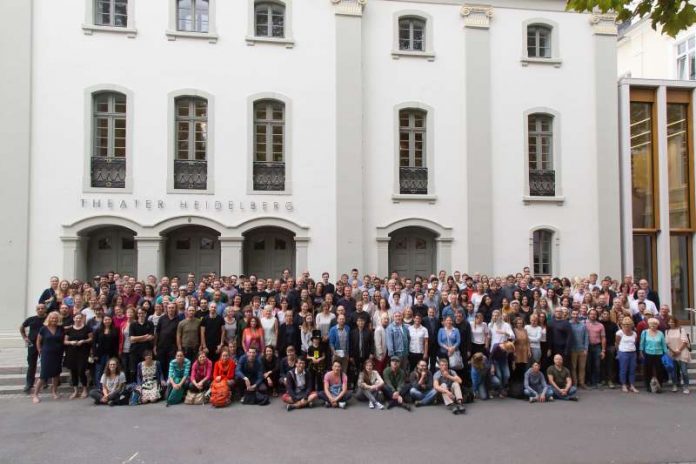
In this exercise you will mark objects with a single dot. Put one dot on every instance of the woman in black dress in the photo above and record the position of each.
(49, 344)
(78, 341)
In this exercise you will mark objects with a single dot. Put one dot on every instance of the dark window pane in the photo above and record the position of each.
(642, 176)
(678, 166)
(183, 244)
(643, 253)
(680, 265)
(127, 243)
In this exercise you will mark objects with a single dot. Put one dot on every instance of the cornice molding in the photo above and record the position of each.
(603, 24)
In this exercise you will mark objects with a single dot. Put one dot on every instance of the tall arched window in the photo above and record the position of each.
(542, 252)
(191, 149)
(269, 19)
(540, 145)
(539, 41)
(413, 172)
(412, 34)
(269, 145)
(108, 159)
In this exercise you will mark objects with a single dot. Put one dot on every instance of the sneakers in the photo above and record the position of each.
(624, 388)
(611, 385)
(290, 407)
(417, 404)
(458, 409)
(342, 404)
(379, 405)
(674, 389)
(686, 391)
(327, 404)
(372, 405)
(532, 400)
(633, 389)
(550, 398)
(405, 406)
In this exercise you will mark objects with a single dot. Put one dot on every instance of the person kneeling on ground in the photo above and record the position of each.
(249, 374)
(482, 380)
(224, 370)
(396, 386)
(113, 385)
(298, 387)
(370, 385)
(335, 394)
(560, 380)
(422, 391)
(535, 386)
(179, 370)
(449, 385)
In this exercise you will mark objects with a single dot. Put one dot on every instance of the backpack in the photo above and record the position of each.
(219, 394)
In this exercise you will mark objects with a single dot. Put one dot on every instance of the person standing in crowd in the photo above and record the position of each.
(316, 360)
(626, 346)
(105, 347)
(578, 349)
(609, 361)
(298, 391)
(678, 344)
(652, 348)
(369, 386)
(361, 346)
(212, 333)
(418, 343)
(560, 380)
(34, 323)
(559, 335)
(535, 386)
(125, 346)
(188, 335)
(78, 343)
(449, 385)
(49, 344)
(396, 385)
(339, 342)
(141, 336)
(597, 346)
(166, 338)
(533, 330)
(380, 340)
(289, 333)
(422, 391)
(48, 296)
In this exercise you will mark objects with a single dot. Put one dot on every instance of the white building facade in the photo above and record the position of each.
(251, 136)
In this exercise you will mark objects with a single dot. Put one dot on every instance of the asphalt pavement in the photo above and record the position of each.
(603, 427)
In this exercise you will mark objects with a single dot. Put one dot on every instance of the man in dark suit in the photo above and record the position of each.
(288, 335)
(432, 323)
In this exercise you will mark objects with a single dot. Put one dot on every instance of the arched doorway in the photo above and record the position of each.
(192, 249)
(269, 250)
(412, 252)
(111, 249)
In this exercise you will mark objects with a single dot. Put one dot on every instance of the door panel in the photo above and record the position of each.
(268, 251)
(111, 249)
(192, 249)
(411, 252)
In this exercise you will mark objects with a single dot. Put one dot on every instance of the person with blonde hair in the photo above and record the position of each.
(626, 349)
(678, 344)
(50, 345)
(652, 347)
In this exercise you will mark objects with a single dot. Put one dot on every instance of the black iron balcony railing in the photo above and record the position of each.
(542, 183)
(191, 174)
(108, 172)
(413, 180)
(269, 176)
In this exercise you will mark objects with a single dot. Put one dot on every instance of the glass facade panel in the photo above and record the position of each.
(678, 166)
(643, 258)
(642, 166)
(680, 246)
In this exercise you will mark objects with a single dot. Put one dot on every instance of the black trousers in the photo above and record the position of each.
(164, 355)
(32, 359)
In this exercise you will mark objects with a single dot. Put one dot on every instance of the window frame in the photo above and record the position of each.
(89, 138)
(90, 26)
(428, 158)
(555, 245)
(687, 52)
(173, 32)
(556, 136)
(252, 39)
(428, 52)
(287, 141)
(555, 58)
(172, 140)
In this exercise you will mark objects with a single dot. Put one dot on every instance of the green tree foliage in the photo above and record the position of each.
(671, 15)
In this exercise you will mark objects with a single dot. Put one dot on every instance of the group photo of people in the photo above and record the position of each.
(356, 341)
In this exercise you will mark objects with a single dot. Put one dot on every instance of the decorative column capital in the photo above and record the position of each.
(477, 16)
(603, 24)
(349, 7)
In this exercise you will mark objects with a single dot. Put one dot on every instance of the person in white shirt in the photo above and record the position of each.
(641, 297)
(501, 331)
(418, 342)
(534, 333)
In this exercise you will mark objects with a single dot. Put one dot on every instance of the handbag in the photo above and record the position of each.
(455, 361)
(194, 398)
(668, 363)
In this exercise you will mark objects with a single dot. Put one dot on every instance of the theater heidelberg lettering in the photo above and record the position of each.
(186, 205)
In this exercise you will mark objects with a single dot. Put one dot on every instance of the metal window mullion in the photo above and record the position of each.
(411, 140)
(269, 20)
(269, 132)
(192, 130)
(111, 130)
(412, 35)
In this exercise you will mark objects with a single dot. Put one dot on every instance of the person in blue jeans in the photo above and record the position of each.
(422, 391)
(535, 386)
(626, 354)
(483, 383)
(500, 365)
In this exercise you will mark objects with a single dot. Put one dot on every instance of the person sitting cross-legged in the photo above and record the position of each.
(561, 381)
(449, 385)
(298, 387)
(535, 386)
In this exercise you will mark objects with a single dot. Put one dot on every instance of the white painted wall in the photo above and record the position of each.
(644, 53)
(66, 62)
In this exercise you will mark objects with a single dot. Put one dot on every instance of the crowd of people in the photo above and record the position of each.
(395, 342)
